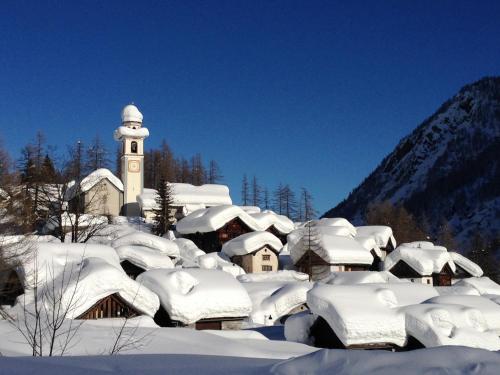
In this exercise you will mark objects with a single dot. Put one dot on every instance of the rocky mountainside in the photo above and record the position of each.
(446, 169)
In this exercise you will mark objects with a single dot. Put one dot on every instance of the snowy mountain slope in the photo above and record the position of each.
(447, 168)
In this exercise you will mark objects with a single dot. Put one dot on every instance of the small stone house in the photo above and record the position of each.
(254, 252)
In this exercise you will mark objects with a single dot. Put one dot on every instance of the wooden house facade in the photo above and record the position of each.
(403, 271)
(211, 242)
(112, 306)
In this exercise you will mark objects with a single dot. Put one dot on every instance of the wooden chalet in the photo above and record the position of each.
(317, 268)
(112, 306)
(163, 319)
(282, 236)
(324, 337)
(212, 242)
(402, 270)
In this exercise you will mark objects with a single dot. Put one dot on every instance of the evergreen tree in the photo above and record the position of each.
(245, 191)
(48, 172)
(163, 213)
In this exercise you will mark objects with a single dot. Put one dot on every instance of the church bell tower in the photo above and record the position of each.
(131, 134)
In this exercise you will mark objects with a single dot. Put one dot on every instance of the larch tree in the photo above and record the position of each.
(97, 155)
(266, 202)
(306, 207)
(163, 212)
(214, 173)
(256, 192)
(245, 191)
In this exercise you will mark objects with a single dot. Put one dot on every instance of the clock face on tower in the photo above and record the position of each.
(134, 166)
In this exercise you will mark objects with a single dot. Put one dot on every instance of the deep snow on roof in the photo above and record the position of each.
(423, 257)
(192, 196)
(144, 257)
(333, 249)
(249, 242)
(268, 218)
(359, 314)
(382, 234)
(126, 132)
(161, 244)
(472, 268)
(189, 295)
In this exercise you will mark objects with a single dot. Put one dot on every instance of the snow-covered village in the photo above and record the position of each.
(280, 252)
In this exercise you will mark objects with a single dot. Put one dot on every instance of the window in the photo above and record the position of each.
(267, 268)
(266, 257)
(133, 147)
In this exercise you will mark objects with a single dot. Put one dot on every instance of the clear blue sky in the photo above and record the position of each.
(310, 93)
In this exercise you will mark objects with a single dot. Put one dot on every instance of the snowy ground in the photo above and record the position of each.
(254, 351)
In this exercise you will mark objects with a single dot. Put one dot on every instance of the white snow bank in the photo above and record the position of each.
(359, 314)
(298, 327)
(272, 300)
(168, 247)
(410, 293)
(444, 324)
(423, 257)
(249, 242)
(436, 361)
(126, 132)
(189, 295)
(484, 285)
(283, 276)
(472, 268)
(456, 290)
(188, 251)
(382, 234)
(144, 257)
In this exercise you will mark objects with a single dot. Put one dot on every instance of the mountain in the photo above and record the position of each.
(446, 169)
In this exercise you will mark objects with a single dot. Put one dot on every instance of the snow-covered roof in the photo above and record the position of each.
(144, 257)
(369, 243)
(332, 249)
(359, 314)
(219, 261)
(188, 251)
(249, 242)
(337, 222)
(191, 196)
(489, 309)
(273, 299)
(213, 218)
(484, 285)
(99, 279)
(268, 218)
(472, 268)
(360, 277)
(282, 276)
(95, 177)
(68, 220)
(437, 324)
(189, 295)
(126, 132)
(423, 257)
(251, 209)
(161, 244)
(382, 234)
(130, 113)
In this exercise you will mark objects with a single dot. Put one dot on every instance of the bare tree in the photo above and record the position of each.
(214, 173)
(47, 306)
(306, 209)
(245, 191)
(97, 155)
(256, 192)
